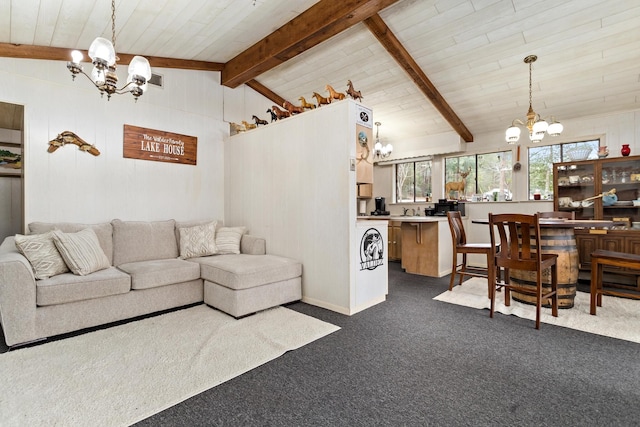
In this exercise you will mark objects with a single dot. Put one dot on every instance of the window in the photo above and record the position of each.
(413, 181)
(460, 176)
(485, 176)
(542, 158)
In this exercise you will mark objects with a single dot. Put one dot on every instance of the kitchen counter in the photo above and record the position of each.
(426, 243)
(403, 218)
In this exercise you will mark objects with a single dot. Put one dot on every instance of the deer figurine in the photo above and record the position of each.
(457, 186)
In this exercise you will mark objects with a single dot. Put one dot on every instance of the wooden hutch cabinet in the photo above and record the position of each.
(577, 181)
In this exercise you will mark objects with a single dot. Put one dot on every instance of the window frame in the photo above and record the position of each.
(397, 192)
(564, 155)
(508, 190)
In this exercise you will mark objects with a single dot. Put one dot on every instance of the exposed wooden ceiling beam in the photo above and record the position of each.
(386, 37)
(64, 54)
(266, 92)
(315, 25)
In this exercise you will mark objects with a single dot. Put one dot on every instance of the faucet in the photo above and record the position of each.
(405, 211)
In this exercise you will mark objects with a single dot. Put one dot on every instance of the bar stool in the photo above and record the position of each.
(460, 246)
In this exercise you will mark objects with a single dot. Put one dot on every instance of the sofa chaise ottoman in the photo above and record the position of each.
(242, 284)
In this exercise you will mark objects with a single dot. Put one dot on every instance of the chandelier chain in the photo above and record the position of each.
(530, 103)
(113, 23)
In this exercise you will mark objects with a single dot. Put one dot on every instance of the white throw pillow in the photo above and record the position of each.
(199, 240)
(228, 239)
(42, 254)
(81, 251)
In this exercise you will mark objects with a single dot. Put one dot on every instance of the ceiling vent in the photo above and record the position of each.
(156, 80)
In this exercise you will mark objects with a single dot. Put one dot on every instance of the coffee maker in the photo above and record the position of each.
(380, 207)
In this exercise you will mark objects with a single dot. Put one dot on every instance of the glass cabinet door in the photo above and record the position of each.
(575, 185)
(621, 188)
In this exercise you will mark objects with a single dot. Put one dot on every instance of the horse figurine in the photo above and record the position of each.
(305, 104)
(236, 128)
(355, 94)
(457, 186)
(259, 121)
(321, 99)
(68, 137)
(333, 94)
(274, 116)
(292, 109)
(249, 126)
(280, 114)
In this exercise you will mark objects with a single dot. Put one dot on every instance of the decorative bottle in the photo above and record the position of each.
(625, 151)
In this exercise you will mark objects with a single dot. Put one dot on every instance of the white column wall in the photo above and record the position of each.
(290, 183)
(70, 185)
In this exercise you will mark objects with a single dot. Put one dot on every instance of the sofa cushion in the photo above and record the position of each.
(243, 271)
(187, 224)
(197, 241)
(151, 274)
(228, 239)
(81, 251)
(253, 245)
(69, 287)
(104, 231)
(143, 241)
(42, 254)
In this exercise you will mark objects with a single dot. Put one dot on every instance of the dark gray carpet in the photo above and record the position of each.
(417, 362)
(414, 361)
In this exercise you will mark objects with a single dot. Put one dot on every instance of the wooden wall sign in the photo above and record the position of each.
(159, 146)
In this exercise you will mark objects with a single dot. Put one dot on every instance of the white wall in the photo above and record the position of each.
(11, 206)
(10, 192)
(243, 102)
(290, 183)
(70, 185)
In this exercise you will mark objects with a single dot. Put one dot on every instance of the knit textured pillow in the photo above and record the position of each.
(228, 239)
(81, 251)
(42, 254)
(199, 240)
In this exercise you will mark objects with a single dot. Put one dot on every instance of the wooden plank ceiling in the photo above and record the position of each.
(424, 66)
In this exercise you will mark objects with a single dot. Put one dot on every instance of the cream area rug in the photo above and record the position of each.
(617, 318)
(123, 374)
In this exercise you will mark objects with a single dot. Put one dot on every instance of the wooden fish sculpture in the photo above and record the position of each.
(68, 137)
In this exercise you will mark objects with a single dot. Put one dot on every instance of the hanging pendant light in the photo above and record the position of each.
(104, 59)
(536, 125)
(381, 151)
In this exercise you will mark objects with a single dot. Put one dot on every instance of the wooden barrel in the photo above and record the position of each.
(562, 242)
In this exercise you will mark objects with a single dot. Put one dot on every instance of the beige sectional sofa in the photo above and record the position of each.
(146, 272)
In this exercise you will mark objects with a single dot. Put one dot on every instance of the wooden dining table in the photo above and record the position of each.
(566, 223)
(557, 237)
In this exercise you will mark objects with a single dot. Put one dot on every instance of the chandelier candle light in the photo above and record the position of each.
(103, 56)
(379, 150)
(537, 126)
